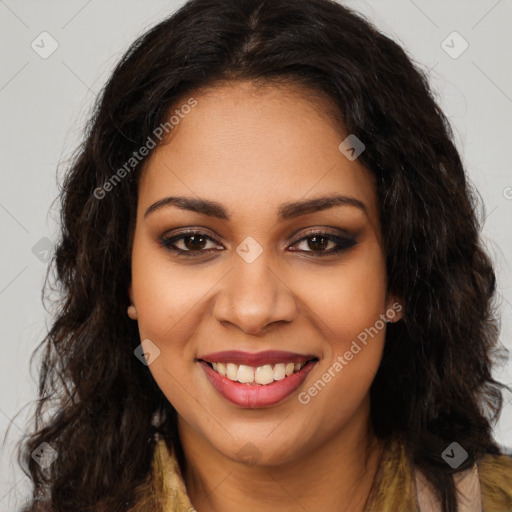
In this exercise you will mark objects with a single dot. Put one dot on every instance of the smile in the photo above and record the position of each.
(261, 375)
(256, 380)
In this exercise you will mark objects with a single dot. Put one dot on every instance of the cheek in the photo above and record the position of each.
(164, 294)
(168, 303)
(348, 305)
(169, 297)
(349, 298)
(345, 376)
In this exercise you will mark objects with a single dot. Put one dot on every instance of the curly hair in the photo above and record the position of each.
(434, 384)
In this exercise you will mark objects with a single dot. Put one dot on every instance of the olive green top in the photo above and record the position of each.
(399, 487)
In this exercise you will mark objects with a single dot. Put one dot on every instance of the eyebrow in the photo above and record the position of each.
(286, 210)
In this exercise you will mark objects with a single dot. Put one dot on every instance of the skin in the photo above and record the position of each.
(252, 150)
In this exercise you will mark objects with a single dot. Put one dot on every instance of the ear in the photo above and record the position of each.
(394, 308)
(130, 292)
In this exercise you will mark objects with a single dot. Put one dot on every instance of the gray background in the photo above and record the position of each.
(44, 103)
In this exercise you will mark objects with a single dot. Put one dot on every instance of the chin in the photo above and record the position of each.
(261, 452)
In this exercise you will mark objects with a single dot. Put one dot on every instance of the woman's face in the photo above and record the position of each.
(264, 277)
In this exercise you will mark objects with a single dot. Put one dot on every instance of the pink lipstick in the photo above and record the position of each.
(256, 380)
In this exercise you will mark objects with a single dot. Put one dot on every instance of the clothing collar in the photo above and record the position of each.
(398, 485)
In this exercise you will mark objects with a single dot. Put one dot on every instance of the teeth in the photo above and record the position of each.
(245, 374)
(232, 371)
(221, 368)
(261, 375)
(264, 374)
(279, 371)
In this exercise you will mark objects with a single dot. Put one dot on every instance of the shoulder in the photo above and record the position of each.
(495, 473)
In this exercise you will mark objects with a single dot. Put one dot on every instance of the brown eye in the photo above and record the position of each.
(318, 243)
(192, 243)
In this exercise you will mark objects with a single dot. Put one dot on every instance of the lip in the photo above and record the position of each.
(256, 359)
(256, 396)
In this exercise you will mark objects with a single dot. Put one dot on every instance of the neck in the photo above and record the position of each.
(336, 475)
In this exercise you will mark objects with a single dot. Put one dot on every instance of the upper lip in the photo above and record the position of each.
(256, 359)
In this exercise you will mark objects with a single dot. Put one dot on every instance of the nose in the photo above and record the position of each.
(253, 296)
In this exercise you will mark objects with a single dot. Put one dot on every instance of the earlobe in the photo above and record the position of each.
(132, 312)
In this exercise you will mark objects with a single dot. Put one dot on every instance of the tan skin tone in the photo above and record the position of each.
(253, 150)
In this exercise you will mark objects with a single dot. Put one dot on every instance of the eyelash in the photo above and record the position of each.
(343, 243)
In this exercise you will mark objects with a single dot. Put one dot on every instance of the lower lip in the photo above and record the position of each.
(253, 397)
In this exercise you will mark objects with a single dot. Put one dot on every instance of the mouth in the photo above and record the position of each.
(256, 380)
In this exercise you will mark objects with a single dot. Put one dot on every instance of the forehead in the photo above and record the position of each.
(254, 148)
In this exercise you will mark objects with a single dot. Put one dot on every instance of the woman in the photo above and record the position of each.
(275, 295)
